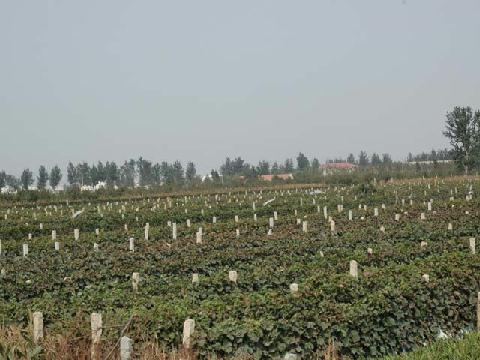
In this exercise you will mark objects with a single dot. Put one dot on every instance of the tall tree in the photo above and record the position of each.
(12, 181)
(234, 167)
(3, 179)
(315, 164)
(42, 178)
(144, 170)
(26, 179)
(288, 167)
(351, 158)
(157, 174)
(72, 176)
(167, 173)
(263, 167)
(190, 172)
(363, 158)
(215, 176)
(302, 162)
(178, 173)
(55, 177)
(111, 173)
(386, 159)
(84, 174)
(275, 168)
(226, 169)
(127, 173)
(97, 173)
(463, 131)
(376, 159)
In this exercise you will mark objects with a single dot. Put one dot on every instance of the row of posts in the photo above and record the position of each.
(126, 344)
(200, 233)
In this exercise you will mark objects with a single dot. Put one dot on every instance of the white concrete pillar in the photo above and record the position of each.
(126, 348)
(233, 276)
(188, 330)
(353, 269)
(37, 327)
(96, 326)
(294, 288)
(135, 281)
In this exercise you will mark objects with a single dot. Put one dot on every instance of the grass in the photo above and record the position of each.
(467, 348)
(16, 344)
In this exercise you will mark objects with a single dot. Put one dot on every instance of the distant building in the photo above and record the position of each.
(339, 166)
(330, 168)
(210, 177)
(288, 176)
(101, 185)
(8, 190)
(429, 162)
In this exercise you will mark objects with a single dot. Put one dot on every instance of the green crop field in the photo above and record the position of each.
(361, 271)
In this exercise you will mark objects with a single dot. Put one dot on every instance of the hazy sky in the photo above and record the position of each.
(200, 80)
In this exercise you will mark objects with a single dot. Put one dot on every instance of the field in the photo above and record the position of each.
(294, 251)
(467, 348)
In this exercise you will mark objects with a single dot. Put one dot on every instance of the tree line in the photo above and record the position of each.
(27, 179)
(146, 173)
(462, 130)
(141, 171)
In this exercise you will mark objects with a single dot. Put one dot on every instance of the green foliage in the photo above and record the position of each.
(190, 172)
(351, 159)
(26, 179)
(42, 178)
(71, 174)
(55, 177)
(463, 131)
(388, 309)
(467, 348)
(13, 352)
(302, 162)
(363, 159)
(3, 178)
(375, 160)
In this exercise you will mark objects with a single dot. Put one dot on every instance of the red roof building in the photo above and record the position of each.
(278, 176)
(338, 166)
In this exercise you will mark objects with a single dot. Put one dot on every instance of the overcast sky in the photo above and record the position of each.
(200, 80)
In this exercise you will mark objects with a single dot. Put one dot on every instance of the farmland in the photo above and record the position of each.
(370, 270)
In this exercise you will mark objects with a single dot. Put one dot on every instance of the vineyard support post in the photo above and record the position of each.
(135, 281)
(96, 325)
(188, 330)
(37, 327)
(233, 276)
(354, 269)
(472, 245)
(478, 311)
(294, 288)
(126, 348)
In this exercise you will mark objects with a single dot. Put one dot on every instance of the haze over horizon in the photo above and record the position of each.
(199, 81)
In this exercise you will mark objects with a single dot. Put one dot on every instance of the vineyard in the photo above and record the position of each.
(370, 270)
